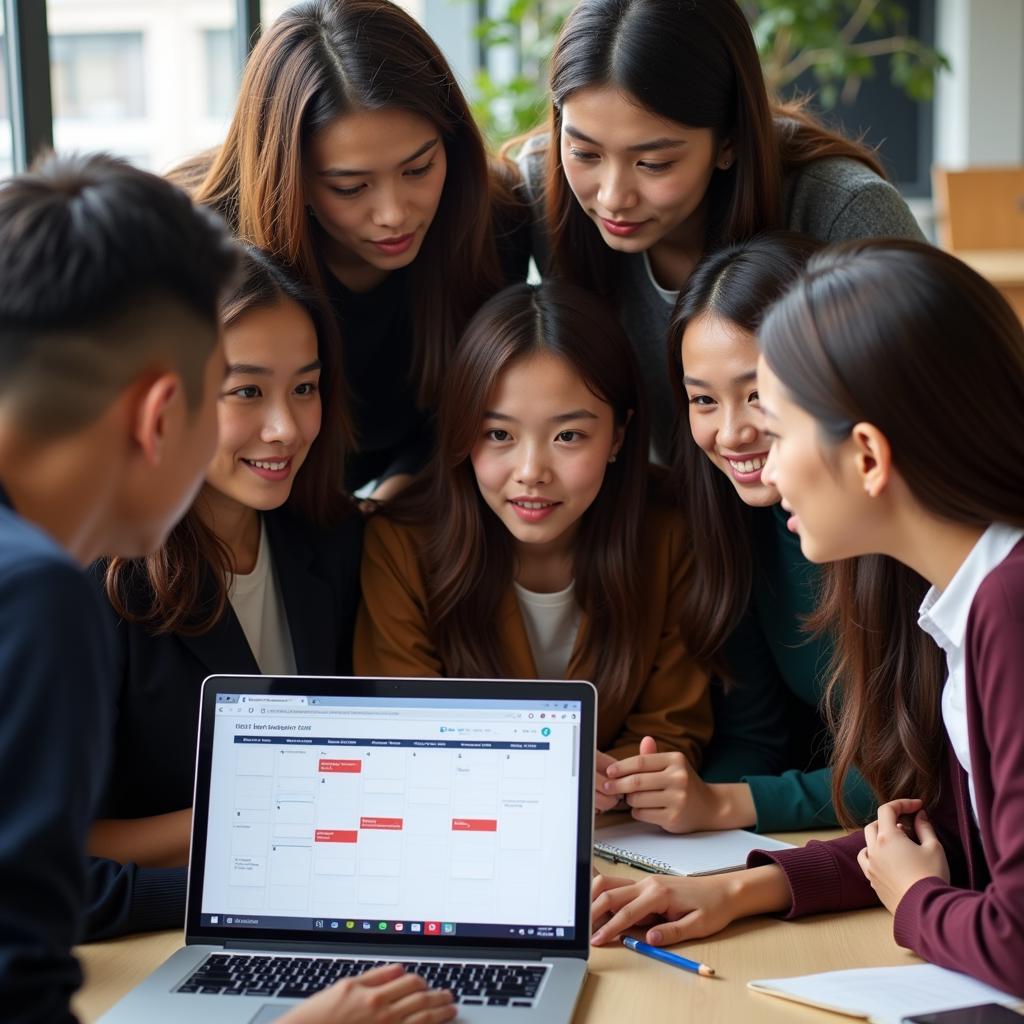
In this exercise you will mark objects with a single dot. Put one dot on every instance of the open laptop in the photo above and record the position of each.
(340, 823)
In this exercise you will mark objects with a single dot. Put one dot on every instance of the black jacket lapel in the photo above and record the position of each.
(308, 598)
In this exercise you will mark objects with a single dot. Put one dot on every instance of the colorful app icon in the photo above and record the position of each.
(432, 928)
(350, 924)
(382, 926)
(448, 928)
(415, 927)
(399, 927)
(545, 731)
(366, 926)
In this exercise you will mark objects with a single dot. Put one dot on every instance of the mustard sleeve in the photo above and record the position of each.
(391, 636)
(674, 702)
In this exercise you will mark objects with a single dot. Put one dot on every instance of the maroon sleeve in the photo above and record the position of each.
(823, 875)
(982, 933)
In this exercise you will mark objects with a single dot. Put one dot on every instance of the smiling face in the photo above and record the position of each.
(269, 409)
(373, 181)
(720, 378)
(544, 447)
(640, 178)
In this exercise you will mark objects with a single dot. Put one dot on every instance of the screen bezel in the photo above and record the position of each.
(334, 686)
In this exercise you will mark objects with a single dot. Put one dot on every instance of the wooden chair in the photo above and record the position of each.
(980, 218)
(980, 208)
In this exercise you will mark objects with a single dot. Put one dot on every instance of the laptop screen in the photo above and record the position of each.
(394, 817)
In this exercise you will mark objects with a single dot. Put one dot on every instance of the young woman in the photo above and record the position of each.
(353, 158)
(663, 144)
(753, 592)
(899, 446)
(260, 576)
(536, 546)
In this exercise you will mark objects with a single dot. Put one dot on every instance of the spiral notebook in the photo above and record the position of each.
(699, 853)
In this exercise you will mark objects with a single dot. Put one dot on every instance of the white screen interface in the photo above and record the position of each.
(423, 817)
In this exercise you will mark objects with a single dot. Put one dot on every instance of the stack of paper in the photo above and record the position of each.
(885, 995)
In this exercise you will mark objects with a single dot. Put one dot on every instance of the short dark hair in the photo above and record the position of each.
(91, 251)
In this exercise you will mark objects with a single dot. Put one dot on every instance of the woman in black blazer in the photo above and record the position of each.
(261, 575)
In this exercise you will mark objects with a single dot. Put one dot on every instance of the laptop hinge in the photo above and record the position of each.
(379, 953)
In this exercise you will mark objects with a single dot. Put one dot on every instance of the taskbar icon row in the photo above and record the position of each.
(392, 927)
(375, 926)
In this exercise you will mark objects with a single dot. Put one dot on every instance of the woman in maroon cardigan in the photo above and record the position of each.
(892, 382)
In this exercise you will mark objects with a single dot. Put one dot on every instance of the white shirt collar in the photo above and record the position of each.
(943, 613)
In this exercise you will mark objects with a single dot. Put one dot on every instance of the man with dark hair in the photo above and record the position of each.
(110, 367)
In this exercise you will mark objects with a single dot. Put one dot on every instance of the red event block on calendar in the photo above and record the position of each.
(474, 825)
(335, 835)
(330, 764)
(390, 824)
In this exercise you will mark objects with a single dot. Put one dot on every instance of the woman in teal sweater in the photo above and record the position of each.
(754, 593)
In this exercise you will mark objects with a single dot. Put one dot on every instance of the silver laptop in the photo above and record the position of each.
(342, 823)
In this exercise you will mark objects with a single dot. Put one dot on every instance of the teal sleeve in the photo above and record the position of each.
(751, 734)
(797, 800)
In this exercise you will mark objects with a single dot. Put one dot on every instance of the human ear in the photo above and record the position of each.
(158, 404)
(872, 457)
(726, 155)
(620, 435)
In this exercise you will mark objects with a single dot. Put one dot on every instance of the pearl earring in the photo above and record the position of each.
(612, 458)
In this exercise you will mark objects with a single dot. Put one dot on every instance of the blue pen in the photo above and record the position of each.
(672, 959)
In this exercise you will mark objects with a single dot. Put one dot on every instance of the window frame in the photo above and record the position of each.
(29, 97)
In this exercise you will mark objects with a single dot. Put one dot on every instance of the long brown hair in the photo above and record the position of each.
(736, 285)
(937, 365)
(185, 582)
(468, 557)
(318, 61)
(694, 63)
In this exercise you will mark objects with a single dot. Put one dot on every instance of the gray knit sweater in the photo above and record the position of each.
(831, 200)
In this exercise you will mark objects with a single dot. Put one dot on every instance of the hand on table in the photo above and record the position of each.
(663, 789)
(602, 800)
(672, 909)
(892, 861)
(384, 995)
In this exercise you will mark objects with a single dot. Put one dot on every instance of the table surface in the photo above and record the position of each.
(621, 985)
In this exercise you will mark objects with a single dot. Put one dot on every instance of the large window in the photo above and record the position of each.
(97, 76)
(153, 80)
(6, 162)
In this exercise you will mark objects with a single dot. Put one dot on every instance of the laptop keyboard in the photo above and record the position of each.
(295, 977)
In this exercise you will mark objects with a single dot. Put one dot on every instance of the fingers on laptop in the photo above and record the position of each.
(384, 995)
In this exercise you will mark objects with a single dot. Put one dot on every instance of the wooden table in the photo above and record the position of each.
(623, 987)
(1004, 268)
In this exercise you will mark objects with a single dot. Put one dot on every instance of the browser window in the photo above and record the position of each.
(401, 816)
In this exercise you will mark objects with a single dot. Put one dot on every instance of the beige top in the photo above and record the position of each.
(552, 622)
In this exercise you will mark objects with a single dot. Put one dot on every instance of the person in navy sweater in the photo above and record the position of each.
(110, 363)
(895, 416)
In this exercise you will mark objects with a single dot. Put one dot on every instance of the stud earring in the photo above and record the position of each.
(612, 458)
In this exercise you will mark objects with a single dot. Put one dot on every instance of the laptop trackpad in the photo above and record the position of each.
(270, 1012)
